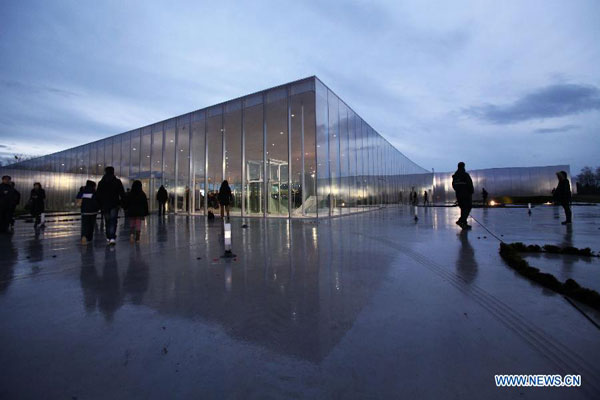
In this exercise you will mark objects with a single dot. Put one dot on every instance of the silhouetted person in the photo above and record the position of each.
(89, 211)
(425, 198)
(16, 201)
(6, 203)
(225, 198)
(463, 187)
(36, 203)
(484, 197)
(563, 195)
(110, 195)
(136, 208)
(161, 197)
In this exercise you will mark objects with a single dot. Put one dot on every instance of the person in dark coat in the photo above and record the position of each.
(484, 197)
(161, 196)
(110, 195)
(225, 198)
(463, 187)
(89, 211)
(562, 195)
(6, 202)
(15, 203)
(136, 207)
(425, 198)
(36, 203)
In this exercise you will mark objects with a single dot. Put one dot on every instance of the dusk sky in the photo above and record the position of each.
(492, 83)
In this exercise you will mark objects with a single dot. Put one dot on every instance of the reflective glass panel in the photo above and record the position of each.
(254, 168)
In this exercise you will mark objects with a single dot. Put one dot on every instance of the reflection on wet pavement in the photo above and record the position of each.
(336, 308)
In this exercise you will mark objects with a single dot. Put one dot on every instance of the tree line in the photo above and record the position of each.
(588, 181)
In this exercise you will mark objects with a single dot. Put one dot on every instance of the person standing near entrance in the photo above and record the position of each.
(563, 195)
(161, 197)
(110, 195)
(425, 198)
(36, 204)
(463, 187)
(225, 198)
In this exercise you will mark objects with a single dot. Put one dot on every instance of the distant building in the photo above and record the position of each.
(502, 182)
(295, 150)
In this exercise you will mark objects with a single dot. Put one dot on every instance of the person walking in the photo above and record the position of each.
(15, 203)
(37, 199)
(425, 198)
(161, 196)
(563, 195)
(136, 208)
(89, 211)
(463, 187)
(6, 202)
(225, 198)
(110, 195)
(484, 197)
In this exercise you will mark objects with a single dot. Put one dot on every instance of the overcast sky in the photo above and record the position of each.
(498, 83)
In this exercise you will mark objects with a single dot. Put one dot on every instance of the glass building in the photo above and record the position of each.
(295, 151)
(503, 184)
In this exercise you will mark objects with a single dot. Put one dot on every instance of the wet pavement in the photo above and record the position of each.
(374, 305)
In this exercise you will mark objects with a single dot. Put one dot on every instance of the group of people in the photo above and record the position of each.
(10, 199)
(414, 198)
(463, 187)
(108, 197)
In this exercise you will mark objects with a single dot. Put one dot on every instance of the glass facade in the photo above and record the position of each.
(293, 151)
(502, 184)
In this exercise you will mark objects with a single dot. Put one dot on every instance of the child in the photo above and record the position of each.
(89, 211)
(136, 207)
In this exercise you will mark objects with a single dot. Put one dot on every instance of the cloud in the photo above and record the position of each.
(35, 89)
(550, 102)
(564, 128)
